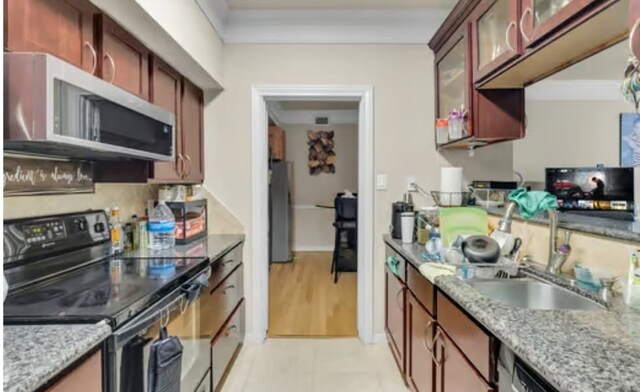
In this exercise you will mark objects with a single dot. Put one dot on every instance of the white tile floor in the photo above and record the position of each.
(314, 365)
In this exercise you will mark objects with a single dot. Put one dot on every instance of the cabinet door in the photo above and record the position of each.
(166, 91)
(394, 317)
(453, 77)
(420, 333)
(63, 28)
(87, 377)
(124, 61)
(453, 372)
(192, 132)
(634, 26)
(495, 36)
(541, 17)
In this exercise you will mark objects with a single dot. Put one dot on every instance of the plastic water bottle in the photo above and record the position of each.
(161, 227)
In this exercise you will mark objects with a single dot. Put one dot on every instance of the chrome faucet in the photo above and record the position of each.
(557, 257)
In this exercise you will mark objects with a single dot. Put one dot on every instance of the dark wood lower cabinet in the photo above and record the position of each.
(394, 316)
(453, 372)
(420, 332)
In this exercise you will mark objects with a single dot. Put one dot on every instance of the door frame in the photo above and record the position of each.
(259, 268)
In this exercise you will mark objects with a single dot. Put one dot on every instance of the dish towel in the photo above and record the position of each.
(433, 270)
(393, 264)
(533, 202)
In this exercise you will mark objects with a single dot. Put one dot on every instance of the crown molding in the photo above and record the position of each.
(322, 26)
(574, 90)
(307, 117)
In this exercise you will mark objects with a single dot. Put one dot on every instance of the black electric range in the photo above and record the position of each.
(59, 269)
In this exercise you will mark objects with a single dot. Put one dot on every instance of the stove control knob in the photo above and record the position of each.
(98, 227)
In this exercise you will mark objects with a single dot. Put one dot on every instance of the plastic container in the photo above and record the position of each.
(442, 130)
(456, 125)
(161, 227)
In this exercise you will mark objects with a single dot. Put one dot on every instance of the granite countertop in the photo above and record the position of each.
(605, 227)
(575, 351)
(34, 354)
(211, 246)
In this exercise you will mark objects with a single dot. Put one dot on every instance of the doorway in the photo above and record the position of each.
(313, 189)
(261, 95)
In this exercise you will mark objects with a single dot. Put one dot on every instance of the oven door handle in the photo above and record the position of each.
(185, 294)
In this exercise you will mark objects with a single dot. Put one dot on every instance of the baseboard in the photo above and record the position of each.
(380, 338)
(313, 248)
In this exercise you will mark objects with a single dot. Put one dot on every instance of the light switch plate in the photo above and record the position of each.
(381, 182)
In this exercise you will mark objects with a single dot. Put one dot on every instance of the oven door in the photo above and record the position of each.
(130, 345)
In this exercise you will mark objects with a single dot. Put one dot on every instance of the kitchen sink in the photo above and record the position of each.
(532, 294)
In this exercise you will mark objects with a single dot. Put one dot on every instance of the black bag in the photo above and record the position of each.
(165, 363)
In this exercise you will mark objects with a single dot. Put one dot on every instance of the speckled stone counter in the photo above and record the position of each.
(411, 252)
(34, 354)
(610, 228)
(211, 246)
(576, 351)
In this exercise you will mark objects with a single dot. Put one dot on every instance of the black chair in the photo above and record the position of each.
(345, 253)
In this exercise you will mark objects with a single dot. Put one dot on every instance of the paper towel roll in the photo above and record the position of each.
(451, 182)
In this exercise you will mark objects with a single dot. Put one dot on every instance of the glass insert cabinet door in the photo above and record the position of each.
(453, 77)
(540, 17)
(496, 36)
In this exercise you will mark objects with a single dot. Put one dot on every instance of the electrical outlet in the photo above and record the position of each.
(411, 184)
(381, 182)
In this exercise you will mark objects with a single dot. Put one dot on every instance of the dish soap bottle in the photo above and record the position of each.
(632, 294)
(117, 240)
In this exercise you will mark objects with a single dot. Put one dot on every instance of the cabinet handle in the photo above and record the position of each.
(507, 37)
(188, 160)
(231, 328)
(94, 55)
(113, 66)
(634, 29)
(228, 261)
(181, 166)
(424, 336)
(398, 299)
(231, 286)
(527, 11)
(434, 353)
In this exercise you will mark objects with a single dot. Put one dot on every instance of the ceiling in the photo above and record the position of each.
(339, 4)
(318, 105)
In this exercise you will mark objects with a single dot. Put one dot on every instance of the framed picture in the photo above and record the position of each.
(629, 139)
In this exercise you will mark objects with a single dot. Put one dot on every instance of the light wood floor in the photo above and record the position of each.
(304, 301)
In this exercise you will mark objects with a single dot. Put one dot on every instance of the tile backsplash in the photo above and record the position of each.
(131, 198)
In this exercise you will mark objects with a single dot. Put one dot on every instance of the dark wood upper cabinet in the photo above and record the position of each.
(420, 333)
(63, 28)
(166, 92)
(453, 372)
(541, 17)
(192, 132)
(496, 37)
(394, 316)
(124, 61)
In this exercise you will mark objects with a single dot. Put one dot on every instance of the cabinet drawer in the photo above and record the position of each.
(218, 303)
(222, 267)
(421, 288)
(479, 347)
(402, 273)
(225, 345)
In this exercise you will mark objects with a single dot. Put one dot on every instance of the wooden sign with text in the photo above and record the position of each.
(33, 176)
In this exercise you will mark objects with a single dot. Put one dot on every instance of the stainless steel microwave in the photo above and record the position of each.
(55, 108)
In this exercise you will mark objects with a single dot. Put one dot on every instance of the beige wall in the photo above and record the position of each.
(312, 226)
(569, 133)
(402, 78)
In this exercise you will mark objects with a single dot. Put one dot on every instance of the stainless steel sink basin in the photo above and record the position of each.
(532, 294)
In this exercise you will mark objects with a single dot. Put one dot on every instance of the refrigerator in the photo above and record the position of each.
(280, 213)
